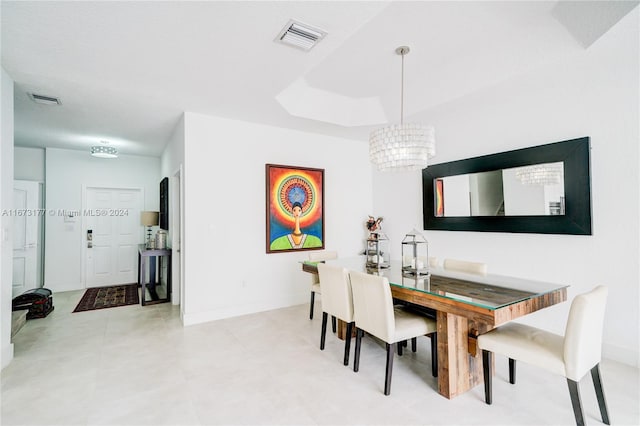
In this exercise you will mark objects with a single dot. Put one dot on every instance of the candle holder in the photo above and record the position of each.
(415, 254)
(377, 251)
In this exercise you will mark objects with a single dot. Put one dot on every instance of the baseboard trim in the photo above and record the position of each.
(236, 311)
(202, 317)
(624, 355)
(56, 288)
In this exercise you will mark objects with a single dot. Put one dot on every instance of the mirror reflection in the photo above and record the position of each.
(535, 190)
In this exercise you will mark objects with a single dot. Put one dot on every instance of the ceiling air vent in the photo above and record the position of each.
(300, 35)
(45, 100)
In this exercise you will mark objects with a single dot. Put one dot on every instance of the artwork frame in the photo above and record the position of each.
(294, 209)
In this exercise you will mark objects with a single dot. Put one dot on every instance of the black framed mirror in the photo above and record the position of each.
(544, 189)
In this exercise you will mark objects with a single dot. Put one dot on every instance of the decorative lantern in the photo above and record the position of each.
(415, 254)
(378, 255)
(419, 282)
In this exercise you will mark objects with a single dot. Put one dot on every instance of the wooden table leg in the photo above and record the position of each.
(143, 279)
(458, 371)
(342, 330)
(152, 271)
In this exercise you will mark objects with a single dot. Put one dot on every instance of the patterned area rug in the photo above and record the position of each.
(108, 297)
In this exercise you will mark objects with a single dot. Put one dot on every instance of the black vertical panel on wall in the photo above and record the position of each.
(164, 204)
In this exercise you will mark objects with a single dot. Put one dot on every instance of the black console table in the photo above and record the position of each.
(154, 290)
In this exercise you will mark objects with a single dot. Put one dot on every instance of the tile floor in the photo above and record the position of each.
(138, 366)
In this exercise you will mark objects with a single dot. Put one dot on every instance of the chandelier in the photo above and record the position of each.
(404, 146)
(540, 174)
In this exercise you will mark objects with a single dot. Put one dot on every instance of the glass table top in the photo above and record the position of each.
(488, 291)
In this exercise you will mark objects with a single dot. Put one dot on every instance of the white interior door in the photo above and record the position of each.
(112, 217)
(25, 236)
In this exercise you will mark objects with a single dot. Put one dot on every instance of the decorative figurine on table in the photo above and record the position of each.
(373, 225)
(377, 250)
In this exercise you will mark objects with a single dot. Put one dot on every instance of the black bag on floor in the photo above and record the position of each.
(38, 301)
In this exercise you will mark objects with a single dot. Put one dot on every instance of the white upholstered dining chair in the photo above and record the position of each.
(374, 313)
(337, 301)
(318, 256)
(571, 355)
(465, 266)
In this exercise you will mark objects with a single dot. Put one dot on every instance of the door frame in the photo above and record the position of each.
(83, 222)
(38, 220)
(177, 184)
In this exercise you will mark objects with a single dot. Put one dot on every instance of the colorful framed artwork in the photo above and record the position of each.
(295, 208)
(439, 198)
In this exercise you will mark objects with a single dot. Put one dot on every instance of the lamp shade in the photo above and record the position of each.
(149, 218)
(404, 146)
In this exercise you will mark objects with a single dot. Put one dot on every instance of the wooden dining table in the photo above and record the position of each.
(465, 306)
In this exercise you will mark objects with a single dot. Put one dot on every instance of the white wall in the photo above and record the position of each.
(457, 202)
(592, 93)
(227, 270)
(29, 164)
(66, 173)
(6, 200)
(173, 155)
(171, 163)
(521, 199)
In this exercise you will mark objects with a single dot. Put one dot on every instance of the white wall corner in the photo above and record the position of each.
(6, 224)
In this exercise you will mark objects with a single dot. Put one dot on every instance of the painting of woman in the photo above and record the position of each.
(295, 208)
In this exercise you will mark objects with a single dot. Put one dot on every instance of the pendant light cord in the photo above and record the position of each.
(402, 91)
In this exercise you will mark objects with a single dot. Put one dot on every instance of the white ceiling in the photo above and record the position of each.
(125, 71)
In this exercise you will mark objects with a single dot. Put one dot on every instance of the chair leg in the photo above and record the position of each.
(434, 354)
(414, 344)
(512, 371)
(574, 392)
(387, 377)
(487, 361)
(356, 354)
(333, 323)
(347, 343)
(323, 333)
(313, 297)
(597, 383)
(400, 345)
